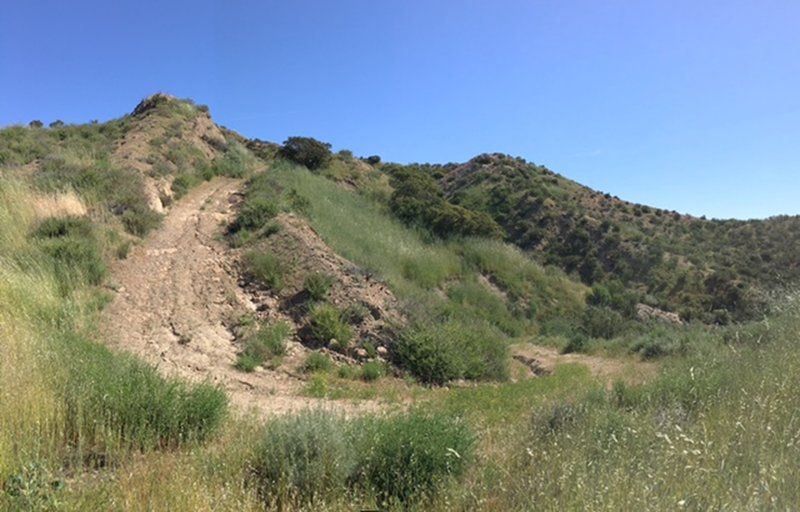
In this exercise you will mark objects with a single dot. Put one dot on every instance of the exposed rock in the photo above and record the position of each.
(645, 312)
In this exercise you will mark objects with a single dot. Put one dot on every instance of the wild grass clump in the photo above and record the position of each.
(317, 362)
(254, 214)
(236, 162)
(439, 352)
(141, 221)
(372, 371)
(317, 285)
(307, 458)
(407, 458)
(267, 343)
(74, 250)
(327, 323)
(267, 268)
(109, 394)
(472, 299)
(317, 457)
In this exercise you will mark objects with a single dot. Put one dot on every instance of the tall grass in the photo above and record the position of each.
(66, 401)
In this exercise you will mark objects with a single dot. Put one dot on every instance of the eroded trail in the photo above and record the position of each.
(177, 294)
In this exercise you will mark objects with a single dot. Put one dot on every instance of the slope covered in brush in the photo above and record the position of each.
(710, 270)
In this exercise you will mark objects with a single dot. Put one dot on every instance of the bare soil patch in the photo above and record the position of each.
(177, 296)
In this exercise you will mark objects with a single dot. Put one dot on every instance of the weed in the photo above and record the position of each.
(266, 268)
(317, 285)
(438, 352)
(407, 458)
(372, 371)
(317, 362)
(266, 343)
(304, 458)
(327, 324)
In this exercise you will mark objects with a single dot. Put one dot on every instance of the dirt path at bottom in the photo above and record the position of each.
(607, 370)
(177, 294)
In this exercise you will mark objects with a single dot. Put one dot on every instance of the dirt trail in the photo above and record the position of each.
(608, 370)
(178, 292)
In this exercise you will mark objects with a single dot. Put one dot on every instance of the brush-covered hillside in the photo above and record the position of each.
(191, 319)
(707, 270)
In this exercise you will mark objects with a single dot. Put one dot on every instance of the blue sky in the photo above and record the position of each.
(685, 105)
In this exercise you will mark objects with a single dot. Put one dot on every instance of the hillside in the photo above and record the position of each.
(711, 270)
(194, 320)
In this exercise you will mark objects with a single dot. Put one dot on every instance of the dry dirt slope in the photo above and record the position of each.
(178, 292)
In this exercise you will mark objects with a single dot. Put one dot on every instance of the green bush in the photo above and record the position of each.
(266, 343)
(438, 352)
(71, 244)
(247, 362)
(266, 268)
(306, 151)
(327, 323)
(234, 163)
(182, 183)
(255, 213)
(407, 458)
(304, 459)
(140, 222)
(602, 322)
(372, 371)
(317, 362)
(315, 457)
(317, 285)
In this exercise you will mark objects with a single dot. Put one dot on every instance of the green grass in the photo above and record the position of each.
(317, 285)
(327, 323)
(264, 344)
(317, 362)
(266, 268)
(315, 457)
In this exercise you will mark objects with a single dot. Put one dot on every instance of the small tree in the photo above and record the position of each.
(36, 124)
(306, 151)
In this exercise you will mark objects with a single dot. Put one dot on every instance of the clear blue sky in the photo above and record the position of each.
(686, 105)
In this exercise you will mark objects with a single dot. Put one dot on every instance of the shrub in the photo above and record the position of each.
(234, 163)
(327, 324)
(71, 244)
(317, 456)
(602, 322)
(306, 151)
(247, 362)
(407, 458)
(317, 362)
(255, 213)
(182, 183)
(303, 458)
(355, 313)
(371, 371)
(264, 344)
(577, 342)
(139, 222)
(317, 285)
(266, 268)
(442, 351)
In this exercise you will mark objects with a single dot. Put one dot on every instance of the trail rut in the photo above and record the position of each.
(177, 293)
